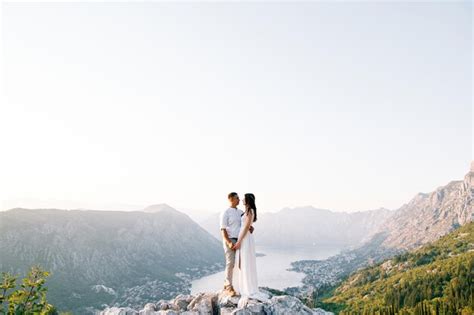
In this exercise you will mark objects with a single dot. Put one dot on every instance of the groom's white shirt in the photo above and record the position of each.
(230, 220)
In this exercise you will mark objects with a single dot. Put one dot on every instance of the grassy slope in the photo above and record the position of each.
(436, 278)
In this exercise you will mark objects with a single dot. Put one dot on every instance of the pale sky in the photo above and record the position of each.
(340, 105)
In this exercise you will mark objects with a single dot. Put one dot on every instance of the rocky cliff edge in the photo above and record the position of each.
(218, 303)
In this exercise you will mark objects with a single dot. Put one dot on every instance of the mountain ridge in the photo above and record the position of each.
(98, 256)
(428, 216)
(437, 277)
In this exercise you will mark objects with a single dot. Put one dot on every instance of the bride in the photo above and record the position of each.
(245, 258)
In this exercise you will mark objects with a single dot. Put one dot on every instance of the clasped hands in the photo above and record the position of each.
(236, 246)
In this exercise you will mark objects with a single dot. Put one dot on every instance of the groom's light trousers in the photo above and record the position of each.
(229, 262)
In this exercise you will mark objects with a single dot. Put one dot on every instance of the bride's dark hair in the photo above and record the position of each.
(250, 204)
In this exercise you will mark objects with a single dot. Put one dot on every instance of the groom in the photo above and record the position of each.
(230, 228)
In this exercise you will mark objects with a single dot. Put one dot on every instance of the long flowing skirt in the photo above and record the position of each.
(245, 272)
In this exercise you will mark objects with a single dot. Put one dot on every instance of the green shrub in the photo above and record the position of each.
(29, 298)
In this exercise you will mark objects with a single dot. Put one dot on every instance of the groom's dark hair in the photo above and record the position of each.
(232, 194)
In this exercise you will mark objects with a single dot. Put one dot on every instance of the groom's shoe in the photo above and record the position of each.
(230, 291)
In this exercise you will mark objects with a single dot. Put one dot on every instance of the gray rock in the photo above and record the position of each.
(285, 304)
(226, 310)
(224, 300)
(320, 311)
(182, 301)
(163, 305)
(255, 308)
(241, 311)
(218, 303)
(205, 304)
(118, 311)
(149, 309)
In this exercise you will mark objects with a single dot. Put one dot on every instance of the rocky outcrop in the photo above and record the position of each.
(218, 303)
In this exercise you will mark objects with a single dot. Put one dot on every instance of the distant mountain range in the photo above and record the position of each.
(125, 258)
(424, 219)
(108, 257)
(309, 226)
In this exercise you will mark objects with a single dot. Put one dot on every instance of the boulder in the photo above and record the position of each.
(224, 300)
(205, 304)
(149, 309)
(241, 311)
(226, 310)
(163, 305)
(182, 301)
(285, 304)
(255, 308)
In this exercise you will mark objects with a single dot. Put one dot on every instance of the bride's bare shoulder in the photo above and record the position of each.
(250, 212)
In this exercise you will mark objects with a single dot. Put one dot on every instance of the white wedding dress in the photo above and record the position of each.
(245, 282)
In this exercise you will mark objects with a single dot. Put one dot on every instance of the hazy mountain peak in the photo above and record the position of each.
(159, 208)
(469, 179)
(303, 209)
(377, 210)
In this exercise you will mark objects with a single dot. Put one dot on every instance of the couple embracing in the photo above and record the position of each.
(239, 248)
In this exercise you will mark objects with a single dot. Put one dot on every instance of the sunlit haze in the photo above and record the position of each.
(345, 106)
